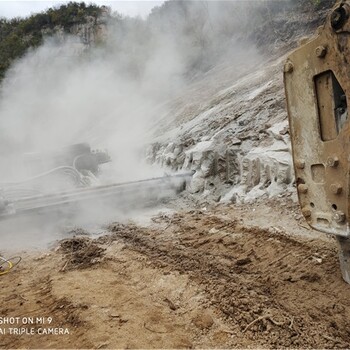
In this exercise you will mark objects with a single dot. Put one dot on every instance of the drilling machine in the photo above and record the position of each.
(317, 87)
(60, 179)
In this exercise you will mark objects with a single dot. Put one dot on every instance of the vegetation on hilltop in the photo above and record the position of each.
(17, 35)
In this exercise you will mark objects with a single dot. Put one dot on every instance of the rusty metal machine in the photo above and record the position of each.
(317, 86)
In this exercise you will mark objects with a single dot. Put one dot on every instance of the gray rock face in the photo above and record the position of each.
(265, 170)
(83, 35)
(238, 143)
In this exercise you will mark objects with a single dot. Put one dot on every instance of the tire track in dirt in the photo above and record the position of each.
(39, 302)
(272, 289)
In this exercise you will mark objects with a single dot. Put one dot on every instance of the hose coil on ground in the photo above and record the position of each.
(6, 265)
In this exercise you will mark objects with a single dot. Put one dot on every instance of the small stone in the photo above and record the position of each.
(203, 320)
(183, 343)
(242, 262)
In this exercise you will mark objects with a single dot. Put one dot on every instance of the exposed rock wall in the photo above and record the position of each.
(83, 35)
(236, 139)
(238, 144)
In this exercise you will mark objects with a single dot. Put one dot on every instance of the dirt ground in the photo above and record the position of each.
(216, 277)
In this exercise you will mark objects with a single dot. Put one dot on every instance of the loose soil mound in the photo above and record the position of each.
(80, 253)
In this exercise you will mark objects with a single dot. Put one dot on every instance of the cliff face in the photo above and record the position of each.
(92, 31)
(237, 142)
(236, 138)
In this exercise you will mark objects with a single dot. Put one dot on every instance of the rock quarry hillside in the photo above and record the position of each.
(236, 140)
(231, 125)
(226, 121)
(195, 87)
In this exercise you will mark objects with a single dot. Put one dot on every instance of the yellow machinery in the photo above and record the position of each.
(317, 86)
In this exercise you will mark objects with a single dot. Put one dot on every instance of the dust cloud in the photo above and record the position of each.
(111, 92)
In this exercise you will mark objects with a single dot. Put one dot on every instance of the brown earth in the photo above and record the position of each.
(220, 277)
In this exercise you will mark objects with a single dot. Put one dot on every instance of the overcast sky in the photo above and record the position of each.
(24, 8)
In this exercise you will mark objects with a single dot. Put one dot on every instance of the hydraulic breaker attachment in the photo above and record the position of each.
(317, 86)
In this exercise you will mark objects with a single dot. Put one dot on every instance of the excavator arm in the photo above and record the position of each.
(317, 87)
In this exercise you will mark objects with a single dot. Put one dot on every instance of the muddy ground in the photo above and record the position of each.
(216, 277)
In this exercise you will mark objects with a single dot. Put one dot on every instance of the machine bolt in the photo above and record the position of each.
(339, 217)
(332, 162)
(302, 188)
(321, 51)
(339, 17)
(288, 67)
(336, 188)
(306, 212)
(300, 164)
